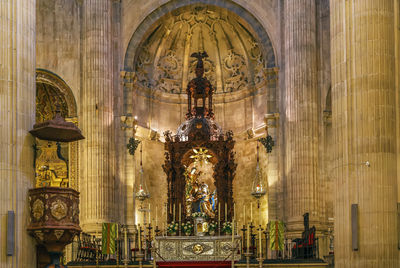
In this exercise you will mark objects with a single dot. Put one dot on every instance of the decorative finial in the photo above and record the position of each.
(199, 65)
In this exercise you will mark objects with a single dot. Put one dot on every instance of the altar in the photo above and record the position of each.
(196, 248)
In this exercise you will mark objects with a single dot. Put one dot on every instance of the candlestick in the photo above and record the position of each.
(226, 212)
(139, 242)
(251, 212)
(248, 238)
(260, 245)
(173, 218)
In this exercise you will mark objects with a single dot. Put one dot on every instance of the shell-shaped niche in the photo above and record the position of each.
(236, 61)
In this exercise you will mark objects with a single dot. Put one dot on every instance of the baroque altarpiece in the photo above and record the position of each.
(200, 161)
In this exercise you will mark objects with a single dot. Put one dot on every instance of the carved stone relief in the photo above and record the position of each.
(163, 62)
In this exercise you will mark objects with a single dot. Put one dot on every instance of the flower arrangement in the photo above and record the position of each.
(199, 214)
(227, 227)
(172, 228)
(212, 226)
(187, 227)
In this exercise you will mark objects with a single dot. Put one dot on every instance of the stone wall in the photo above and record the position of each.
(58, 45)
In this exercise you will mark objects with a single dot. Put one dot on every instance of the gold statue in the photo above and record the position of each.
(51, 170)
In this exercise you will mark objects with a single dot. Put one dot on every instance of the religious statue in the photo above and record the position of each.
(198, 196)
(51, 167)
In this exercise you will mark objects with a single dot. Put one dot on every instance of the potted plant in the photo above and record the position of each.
(227, 228)
(172, 228)
(187, 228)
(212, 228)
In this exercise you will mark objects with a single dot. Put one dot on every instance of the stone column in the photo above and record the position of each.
(301, 122)
(97, 182)
(17, 116)
(364, 125)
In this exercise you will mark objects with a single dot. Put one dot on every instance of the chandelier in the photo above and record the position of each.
(142, 192)
(258, 189)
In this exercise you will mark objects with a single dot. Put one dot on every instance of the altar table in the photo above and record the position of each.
(190, 264)
(196, 248)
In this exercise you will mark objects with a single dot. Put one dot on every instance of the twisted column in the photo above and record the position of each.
(17, 116)
(97, 166)
(364, 125)
(301, 125)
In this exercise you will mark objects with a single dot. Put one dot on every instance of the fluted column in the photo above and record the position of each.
(364, 125)
(301, 124)
(97, 174)
(17, 116)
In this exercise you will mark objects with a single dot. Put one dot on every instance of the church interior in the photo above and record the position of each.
(200, 133)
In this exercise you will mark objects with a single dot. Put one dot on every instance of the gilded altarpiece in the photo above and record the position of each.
(56, 164)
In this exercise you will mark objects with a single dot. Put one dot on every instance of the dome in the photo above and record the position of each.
(235, 61)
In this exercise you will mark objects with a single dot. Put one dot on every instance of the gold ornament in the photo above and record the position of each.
(197, 249)
(200, 156)
(58, 233)
(58, 209)
(38, 209)
(40, 235)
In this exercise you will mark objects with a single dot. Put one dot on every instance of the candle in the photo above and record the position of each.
(149, 215)
(139, 242)
(156, 216)
(173, 213)
(259, 240)
(234, 208)
(126, 243)
(233, 232)
(219, 212)
(251, 212)
(180, 212)
(244, 214)
(166, 213)
(226, 212)
(248, 238)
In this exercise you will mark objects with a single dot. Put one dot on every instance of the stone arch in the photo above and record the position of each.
(52, 89)
(143, 28)
(142, 95)
(52, 79)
